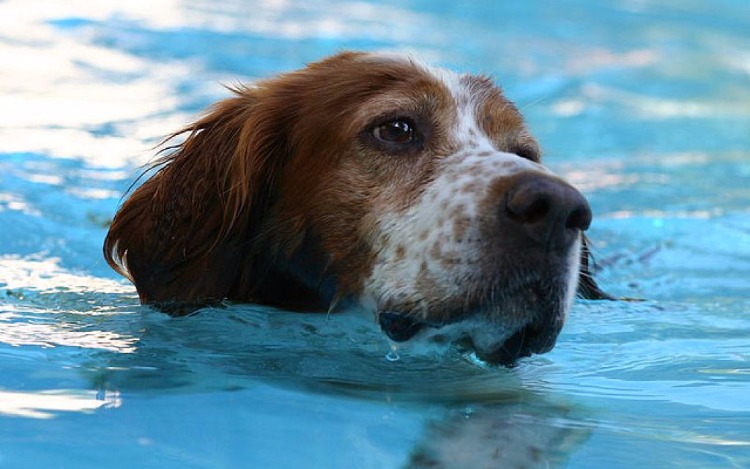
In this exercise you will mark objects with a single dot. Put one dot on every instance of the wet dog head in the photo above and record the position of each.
(415, 191)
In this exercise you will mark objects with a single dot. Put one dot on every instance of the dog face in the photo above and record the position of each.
(413, 191)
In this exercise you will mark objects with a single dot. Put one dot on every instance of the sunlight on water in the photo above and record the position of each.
(649, 107)
(54, 113)
(45, 275)
(24, 327)
(47, 404)
(48, 306)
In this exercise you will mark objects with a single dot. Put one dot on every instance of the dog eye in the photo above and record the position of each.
(398, 131)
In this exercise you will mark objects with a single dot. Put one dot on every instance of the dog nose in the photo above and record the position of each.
(548, 210)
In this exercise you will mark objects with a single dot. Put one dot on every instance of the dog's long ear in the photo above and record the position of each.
(185, 235)
(587, 286)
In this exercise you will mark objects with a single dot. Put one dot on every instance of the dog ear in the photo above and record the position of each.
(587, 286)
(185, 235)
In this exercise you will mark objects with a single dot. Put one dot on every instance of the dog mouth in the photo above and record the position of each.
(533, 338)
(400, 327)
(498, 334)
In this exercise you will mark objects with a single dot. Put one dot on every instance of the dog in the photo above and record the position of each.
(367, 178)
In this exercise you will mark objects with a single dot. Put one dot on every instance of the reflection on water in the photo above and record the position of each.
(28, 329)
(44, 275)
(508, 436)
(47, 404)
(649, 107)
(91, 87)
(48, 306)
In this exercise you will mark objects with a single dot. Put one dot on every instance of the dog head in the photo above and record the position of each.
(414, 191)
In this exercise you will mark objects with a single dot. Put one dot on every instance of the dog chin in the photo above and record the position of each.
(499, 335)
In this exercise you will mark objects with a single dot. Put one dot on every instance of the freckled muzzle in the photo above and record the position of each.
(528, 274)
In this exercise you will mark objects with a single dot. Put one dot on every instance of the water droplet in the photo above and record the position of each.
(393, 355)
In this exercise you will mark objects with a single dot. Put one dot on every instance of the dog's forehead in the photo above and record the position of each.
(474, 101)
(462, 86)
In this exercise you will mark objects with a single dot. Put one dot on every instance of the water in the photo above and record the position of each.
(643, 105)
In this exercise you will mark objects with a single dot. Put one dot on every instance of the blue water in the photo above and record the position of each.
(643, 105)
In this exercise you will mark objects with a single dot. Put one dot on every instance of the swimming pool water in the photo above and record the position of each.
(643, 105)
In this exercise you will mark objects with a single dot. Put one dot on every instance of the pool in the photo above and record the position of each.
(645, 106)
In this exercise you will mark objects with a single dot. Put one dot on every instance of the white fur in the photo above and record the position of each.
(395, 276)
(407, 270)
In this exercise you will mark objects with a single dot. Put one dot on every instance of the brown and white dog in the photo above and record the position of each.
(411, 190)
